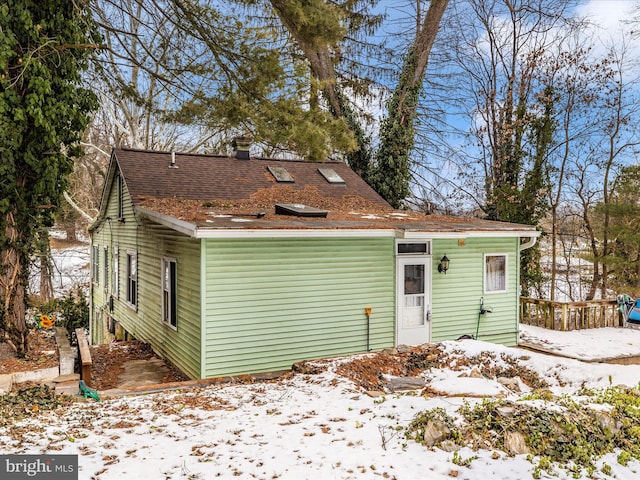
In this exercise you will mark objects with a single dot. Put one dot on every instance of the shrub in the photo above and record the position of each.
(71, 311)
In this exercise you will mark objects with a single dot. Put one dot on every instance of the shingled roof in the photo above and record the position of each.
(197, 194)
(210, 177)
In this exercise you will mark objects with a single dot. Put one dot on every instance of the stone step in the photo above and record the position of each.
(69, 387)
(6, 383)
(69, 377)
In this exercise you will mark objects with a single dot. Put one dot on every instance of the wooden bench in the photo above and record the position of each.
(84, 355)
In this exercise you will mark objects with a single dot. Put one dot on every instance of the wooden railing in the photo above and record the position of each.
(570, 315)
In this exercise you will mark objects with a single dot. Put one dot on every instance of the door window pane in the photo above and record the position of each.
(413, 279)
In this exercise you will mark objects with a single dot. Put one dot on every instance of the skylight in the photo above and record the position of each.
(299, 210)
(281, 175)
(331, 176)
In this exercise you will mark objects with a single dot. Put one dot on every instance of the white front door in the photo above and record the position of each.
(413, 300)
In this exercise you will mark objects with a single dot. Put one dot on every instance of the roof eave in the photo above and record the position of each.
(432, 234)
(194, 231)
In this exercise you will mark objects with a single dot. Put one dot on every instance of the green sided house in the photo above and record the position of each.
(234, 265)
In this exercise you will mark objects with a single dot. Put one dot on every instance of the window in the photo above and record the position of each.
(105, 267)
(280, 174)
(414, 248)
(95, 264)
(495, 273)
(116, 273)
(331, 176)
(120, 192)
(169, 293)
(132, 279)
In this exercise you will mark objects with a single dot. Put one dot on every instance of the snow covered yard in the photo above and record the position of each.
(315, 425)
(323, 425)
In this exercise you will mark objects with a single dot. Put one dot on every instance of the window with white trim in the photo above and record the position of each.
(132, 278)
(95, 264)
(169, 292)
(495, 273)
(413, 247)
(116, 273)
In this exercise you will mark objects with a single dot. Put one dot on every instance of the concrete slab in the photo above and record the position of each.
(142, 372)
(6, 383)
(66, 354)
(69, 377)
(41, 375)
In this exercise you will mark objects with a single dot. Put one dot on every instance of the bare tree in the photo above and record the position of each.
(618, 135)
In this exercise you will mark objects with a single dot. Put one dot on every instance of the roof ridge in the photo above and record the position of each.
(218, 155)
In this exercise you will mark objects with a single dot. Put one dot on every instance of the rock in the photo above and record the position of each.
(515, 444)
(434, 432)
(475, 373)
(404, 383)
(514, 384)
(449, 446)
(6, 383)
(390, 351)
(374, 393)
(403, 349)
(607, 422)
(506, 411)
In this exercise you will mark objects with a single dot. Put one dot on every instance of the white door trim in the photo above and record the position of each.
(413, 334)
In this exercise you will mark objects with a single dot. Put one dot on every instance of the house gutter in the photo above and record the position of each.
(194, 231)
(528, 243)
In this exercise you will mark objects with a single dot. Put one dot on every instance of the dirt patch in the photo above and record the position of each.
(42, 353)
(108, 363)
(368, 372)
(371, 371)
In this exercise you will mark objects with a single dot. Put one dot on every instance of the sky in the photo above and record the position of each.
(607, 13)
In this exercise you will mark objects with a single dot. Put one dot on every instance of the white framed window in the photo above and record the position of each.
(169, 292)
(116, 273)
(495, 273)
(132, 278)
(95, 264)
(413, 247)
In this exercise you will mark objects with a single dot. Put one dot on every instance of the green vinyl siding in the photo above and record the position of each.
(272, 302)
(456, 295)
(151, 243)
(114, 234)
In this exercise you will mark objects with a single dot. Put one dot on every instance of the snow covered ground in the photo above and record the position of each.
(312, 426)
(70, 268)
(589, 345)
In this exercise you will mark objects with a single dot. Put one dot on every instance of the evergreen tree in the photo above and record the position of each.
(623, 260)
(44, 47)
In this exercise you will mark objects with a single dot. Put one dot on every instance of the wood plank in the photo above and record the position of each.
(85, 356)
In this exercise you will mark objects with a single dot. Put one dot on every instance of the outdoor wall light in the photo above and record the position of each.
(443, 266)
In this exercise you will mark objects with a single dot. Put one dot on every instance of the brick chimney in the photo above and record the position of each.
(241, 147)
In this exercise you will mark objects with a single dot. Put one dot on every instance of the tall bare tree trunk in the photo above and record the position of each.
(12, 290)
(46, 268)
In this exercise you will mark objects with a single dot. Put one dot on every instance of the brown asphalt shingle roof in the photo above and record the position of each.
(214, 192)
(208, 177)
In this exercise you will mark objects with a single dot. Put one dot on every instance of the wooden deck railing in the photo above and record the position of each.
(570, 315)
